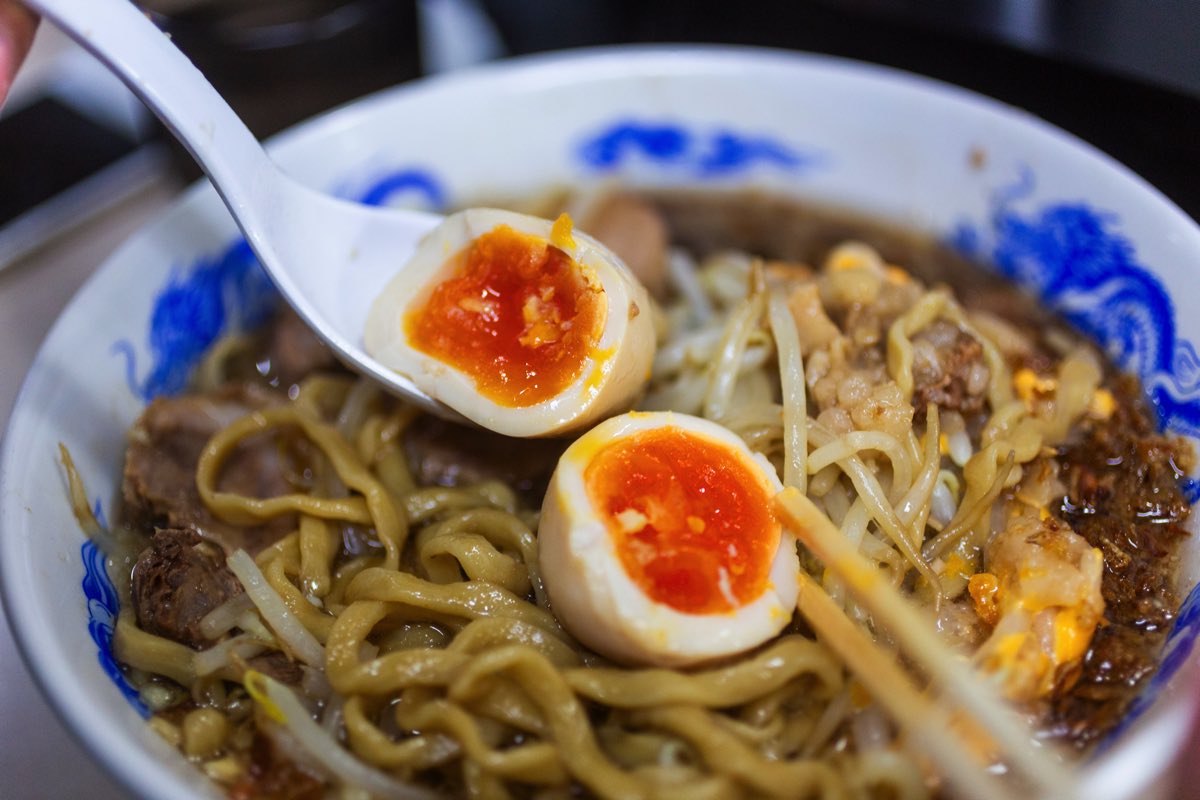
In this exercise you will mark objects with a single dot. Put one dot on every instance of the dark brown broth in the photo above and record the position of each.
(1123, 476)
(1123, 497)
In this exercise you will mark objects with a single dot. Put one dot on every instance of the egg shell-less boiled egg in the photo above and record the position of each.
(594, 521)
(605, 375)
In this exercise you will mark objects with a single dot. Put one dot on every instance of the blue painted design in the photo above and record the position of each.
(388, 187)
(197, 305)
(656, 142)
(1191, 490)
(1072, 257)
(230, 291)
(125, 349)
(728, 152)
(965, 239)
(98, 513)
(711, 154)
(103, 605)
(1175, 653)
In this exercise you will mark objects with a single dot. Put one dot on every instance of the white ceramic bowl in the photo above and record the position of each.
(1064, 220)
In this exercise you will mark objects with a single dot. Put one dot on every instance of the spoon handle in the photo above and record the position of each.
(125, 40)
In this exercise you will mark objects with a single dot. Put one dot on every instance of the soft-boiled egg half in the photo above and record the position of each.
(658, 543)
(522, 325)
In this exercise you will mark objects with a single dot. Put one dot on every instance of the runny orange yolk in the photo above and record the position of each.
(690, 519)
(517, 315)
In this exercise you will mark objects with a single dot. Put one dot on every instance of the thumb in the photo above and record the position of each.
(17, 25)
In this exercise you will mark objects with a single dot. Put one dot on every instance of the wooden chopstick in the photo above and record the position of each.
(917, 638)
(927, 722)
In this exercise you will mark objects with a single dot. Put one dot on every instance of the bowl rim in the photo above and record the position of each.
(135, 768)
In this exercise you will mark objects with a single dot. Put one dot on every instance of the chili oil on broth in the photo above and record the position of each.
(416, 576)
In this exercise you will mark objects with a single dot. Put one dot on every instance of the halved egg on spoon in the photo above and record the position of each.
(658, 544)
(522, 325)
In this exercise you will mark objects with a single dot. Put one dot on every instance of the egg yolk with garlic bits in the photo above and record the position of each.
(689, 520)
(517, 315)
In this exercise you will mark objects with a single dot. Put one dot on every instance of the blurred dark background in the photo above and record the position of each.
(1122, 74)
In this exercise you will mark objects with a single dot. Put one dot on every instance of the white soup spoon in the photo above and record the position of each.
(331, 258)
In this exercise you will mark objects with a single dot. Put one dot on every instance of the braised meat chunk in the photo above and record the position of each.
(277, 665)
(272, 775)
(633, 229)
(444, 454)
(294, 351)
(159, 488)
(949, 369)
(176, 582)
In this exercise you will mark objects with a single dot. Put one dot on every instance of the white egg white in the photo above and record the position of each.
(598, 602)
(613, 375)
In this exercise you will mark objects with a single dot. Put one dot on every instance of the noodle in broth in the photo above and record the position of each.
(389, 638)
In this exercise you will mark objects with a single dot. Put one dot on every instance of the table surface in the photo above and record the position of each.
(34, 745)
